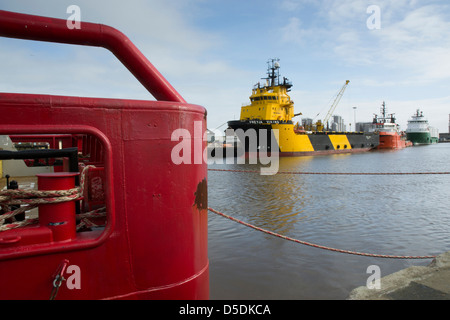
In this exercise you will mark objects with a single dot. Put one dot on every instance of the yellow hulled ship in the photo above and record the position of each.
(272, 109)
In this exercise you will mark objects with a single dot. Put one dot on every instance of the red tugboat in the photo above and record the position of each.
(118, 219)
(390, 137)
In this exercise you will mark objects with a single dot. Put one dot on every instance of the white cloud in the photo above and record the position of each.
(414, 39)
(418, 43)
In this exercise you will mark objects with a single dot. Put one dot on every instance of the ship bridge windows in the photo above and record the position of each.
(262, 98)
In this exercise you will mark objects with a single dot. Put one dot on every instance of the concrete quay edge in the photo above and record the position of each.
(430, 282)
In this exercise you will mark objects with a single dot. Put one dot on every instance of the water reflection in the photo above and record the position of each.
(277, 206)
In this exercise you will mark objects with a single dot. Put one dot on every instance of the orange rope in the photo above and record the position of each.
(334, 173)
(316, 245)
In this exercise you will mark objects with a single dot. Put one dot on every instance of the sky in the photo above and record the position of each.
(214, 51)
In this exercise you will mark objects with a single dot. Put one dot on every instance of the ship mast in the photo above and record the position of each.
(383, 110)
(273, 75)
(383, 113)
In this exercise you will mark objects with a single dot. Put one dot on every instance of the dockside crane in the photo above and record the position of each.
(319, 124)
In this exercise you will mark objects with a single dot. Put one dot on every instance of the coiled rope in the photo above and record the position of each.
(31, 199)
(316, 245)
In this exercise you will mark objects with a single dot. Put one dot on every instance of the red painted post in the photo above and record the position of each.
(58, 217)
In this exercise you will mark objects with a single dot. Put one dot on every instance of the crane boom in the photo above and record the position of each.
(335, 102)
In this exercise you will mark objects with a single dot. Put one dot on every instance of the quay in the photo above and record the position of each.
(430, 282)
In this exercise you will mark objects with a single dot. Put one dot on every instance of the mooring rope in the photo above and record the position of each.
(33, 198)
(19, 224)
(19, 196)
(333, 173)
(316, 245)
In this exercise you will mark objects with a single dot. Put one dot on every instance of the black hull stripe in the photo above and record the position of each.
(320, 141)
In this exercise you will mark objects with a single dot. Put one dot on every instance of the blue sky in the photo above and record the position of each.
(214, 51)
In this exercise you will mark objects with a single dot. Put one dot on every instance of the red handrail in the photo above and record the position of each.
(31, 27)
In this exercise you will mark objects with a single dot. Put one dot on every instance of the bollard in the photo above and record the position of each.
(59, 217)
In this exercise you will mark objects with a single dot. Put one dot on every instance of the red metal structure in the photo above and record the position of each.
(151, 242)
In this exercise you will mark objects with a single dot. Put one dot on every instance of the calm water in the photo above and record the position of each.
(388, 214)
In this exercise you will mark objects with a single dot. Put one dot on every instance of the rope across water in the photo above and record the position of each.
(316, 245)
(321, 246)
(336, 173)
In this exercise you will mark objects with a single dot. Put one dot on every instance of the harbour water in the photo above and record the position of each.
(405, 215)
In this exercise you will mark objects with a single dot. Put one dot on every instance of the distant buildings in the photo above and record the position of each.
(445, 137)
(338, 124)
(307, 123)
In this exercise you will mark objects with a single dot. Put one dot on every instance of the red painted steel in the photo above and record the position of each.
(154, 244)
